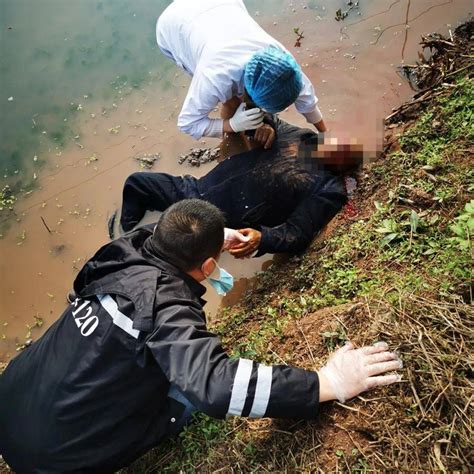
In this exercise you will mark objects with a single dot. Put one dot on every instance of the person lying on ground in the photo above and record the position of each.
(232, 61)
(131, 358)
(278, 202)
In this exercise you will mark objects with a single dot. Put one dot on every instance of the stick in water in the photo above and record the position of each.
(46, 225)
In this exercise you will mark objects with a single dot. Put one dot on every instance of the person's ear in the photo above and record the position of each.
(208, 266)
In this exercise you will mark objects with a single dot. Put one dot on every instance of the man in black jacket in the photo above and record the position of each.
(131, 358)
(277, 201)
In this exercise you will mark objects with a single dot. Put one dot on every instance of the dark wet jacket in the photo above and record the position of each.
(275, 195)
(91, 395)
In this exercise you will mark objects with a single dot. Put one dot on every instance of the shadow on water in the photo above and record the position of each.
(84, 90)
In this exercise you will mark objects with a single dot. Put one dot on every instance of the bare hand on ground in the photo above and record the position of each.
(265, 135)
(351, 371)
(246, 249)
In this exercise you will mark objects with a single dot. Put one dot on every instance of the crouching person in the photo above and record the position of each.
(130, 359)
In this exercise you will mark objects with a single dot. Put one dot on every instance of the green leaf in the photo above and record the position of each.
(388, 238)
(470, 223)
(457, 229)
(388, 226)
(470, 207)
(414, 221)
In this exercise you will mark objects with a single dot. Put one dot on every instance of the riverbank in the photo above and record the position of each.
(399, 271)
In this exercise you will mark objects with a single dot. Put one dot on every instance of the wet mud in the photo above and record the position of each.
(76, 185)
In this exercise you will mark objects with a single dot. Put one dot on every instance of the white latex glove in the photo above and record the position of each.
(246, 119)
(352, 371)
(232, 237)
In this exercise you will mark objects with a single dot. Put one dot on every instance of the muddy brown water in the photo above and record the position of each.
(353, 66)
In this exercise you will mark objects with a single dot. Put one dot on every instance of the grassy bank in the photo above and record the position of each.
(399, 271)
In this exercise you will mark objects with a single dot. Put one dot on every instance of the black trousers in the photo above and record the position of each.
(153, 192)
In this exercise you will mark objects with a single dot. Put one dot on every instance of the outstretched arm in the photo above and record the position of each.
(193, 360)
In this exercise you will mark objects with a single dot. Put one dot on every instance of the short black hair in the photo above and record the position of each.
(188, 233)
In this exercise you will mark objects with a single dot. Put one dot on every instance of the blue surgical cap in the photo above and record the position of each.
(273, 79)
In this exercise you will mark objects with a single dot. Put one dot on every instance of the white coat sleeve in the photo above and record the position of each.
(306, 103)
(202, 98)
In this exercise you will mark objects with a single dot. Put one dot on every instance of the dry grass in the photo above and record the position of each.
(428, 424)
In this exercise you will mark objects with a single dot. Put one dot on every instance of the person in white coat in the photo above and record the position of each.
(236, 63)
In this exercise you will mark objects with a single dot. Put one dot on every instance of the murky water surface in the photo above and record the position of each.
(84, 90)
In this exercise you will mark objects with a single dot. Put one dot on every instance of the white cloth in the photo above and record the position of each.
(212, 40)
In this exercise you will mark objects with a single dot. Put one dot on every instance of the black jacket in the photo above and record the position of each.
(91, 394)
(274, 195)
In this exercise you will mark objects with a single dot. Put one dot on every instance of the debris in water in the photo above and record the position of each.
(147, 160)
(46, 225)
(299, 37)
(342, 14)
(22, 238)
(7, 199)
(115, 129)
(446, 60)
(199, 156)
(91, 159)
